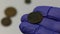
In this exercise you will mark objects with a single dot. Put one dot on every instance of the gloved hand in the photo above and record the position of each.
(50, 23)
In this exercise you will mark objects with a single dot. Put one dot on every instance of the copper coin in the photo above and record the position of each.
(35, 17)
(10, 11)
(6, 21)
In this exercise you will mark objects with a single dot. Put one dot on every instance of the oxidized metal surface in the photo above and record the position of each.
(35, 17)
(10, 11)
(6, 21)
(28, 1)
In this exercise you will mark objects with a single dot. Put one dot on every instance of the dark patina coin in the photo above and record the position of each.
(35, 17)
(10, 11)
(6, 22)
(27, 1)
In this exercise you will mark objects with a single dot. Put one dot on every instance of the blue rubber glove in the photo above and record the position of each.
(49, 25)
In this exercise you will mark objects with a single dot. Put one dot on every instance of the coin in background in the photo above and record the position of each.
(6, 21)
(35, 17)
(10, 11)
(27, 1)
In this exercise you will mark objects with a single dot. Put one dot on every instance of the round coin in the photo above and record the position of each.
(35, 17)
(10, 11)
(27, 1)
(6, 22)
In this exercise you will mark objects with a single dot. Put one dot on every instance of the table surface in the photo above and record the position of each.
(22, 8)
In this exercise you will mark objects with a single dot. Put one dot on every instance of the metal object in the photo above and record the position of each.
(10, 11)
(35, 17)
(28, 1)
(6, 21)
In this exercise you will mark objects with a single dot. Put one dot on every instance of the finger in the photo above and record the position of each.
(55, 12)
(43, 9)
(51, 24)
(24, 18)
(28, 28)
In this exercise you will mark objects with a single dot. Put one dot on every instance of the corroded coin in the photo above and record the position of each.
(28, 1)
(6, 21)
(10, 11)
(35, 17)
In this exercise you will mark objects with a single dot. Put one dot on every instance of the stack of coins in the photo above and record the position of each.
(9, 12)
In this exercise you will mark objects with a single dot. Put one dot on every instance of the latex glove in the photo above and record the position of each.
(49, 25)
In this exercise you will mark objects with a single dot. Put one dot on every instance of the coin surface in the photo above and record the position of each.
(35, 17)
(6, 21)
(10, 11)
(27, 1)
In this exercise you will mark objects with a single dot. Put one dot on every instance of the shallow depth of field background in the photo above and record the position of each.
(22, 9)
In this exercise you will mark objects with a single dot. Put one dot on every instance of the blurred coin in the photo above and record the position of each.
(6, 22)
(35, 17)
(10, 11)
(27, 1)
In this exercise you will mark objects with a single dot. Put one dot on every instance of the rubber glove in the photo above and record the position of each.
(50, 23)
